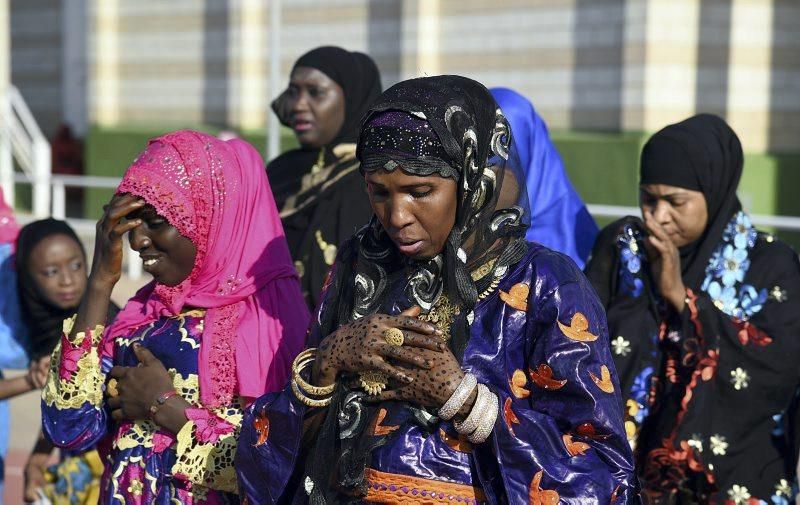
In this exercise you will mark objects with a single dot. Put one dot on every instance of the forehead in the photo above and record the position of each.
(56, 247)
(399, 178)
(309, 76)
(667, 190)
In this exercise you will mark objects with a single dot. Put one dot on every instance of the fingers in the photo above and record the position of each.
(119, 372)
(414, 339)
(414, 311)
(412, 323)
(655, 228)
(121, 208)
(114, 403)
(144, 355)
(391, 372)
(122, 228)
(406, 356)
(386, 395)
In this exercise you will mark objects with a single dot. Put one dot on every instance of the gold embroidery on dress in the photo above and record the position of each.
(300, 268)
(86, 385)
(328, 250)
(483, 270)
(442, 315)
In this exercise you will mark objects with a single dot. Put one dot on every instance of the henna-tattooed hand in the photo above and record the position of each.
(361, 346)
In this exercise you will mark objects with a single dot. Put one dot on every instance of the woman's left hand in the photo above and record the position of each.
(431, 387)
(666, 261)
(138, 387)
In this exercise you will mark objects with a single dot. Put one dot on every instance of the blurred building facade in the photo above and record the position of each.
(609, 65)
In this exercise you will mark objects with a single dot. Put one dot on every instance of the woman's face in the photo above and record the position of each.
(316, 107)
(59, 270)
(681, 212)
(417, 212)
(168, 256)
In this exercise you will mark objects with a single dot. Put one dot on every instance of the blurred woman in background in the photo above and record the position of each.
(52, 270)
(318, 189)
(559, 219)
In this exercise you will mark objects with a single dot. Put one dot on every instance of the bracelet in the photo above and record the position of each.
(486, 425)
(300, 362)
(160, 401)
(459, 396)
(309, 402)
(472, 421)
(304, 359)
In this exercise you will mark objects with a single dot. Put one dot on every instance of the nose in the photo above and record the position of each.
(400, 215)
(66, 277)
(299, 103)
(139, 239)
(661, 212)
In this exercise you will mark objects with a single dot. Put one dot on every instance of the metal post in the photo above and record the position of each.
(6, 163)
(59, 200)
(274, 127)
(41, 182)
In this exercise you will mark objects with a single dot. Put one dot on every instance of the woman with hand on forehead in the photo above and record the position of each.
(454, 362)
(704, 317)
(161, 391)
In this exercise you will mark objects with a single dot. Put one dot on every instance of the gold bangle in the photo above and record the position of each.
(309, 402)
(300, 362)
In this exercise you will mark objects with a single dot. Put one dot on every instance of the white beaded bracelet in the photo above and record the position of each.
(482, 402)
(459, 396)
(486, 425)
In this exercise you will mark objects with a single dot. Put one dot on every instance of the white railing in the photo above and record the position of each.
(790, 223)
(23, 140)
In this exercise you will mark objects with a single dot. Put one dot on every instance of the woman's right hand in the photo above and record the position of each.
(34, 476)
(107, 264)
(361, 346)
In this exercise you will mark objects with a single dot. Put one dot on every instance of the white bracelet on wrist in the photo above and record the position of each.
(459, 397)
(486, 425)
(482, 402)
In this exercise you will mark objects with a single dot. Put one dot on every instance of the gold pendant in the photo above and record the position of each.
(442, 315)
(373, 381)
(328, 250)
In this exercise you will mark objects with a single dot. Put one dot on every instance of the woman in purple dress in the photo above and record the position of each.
(452, 361)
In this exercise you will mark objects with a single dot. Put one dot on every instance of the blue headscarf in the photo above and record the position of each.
(559, 218)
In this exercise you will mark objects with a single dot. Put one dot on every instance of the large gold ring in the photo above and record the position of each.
(373, 381)
(111, 388)
(394, 336)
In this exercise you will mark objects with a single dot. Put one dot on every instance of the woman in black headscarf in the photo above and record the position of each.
(704, 314)
(51, 280)
(456, 362)
(318, 190)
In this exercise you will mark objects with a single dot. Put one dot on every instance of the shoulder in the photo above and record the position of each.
(549, 270)
(780, 255)
(285, 161)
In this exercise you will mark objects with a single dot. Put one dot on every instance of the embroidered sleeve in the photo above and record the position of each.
(207, 447)
(72, 398)
(560, 405)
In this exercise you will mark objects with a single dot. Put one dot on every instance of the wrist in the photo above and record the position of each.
(101, 283)
(677, 298)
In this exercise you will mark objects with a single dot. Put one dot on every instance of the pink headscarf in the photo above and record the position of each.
(216, 194)
(8, 225)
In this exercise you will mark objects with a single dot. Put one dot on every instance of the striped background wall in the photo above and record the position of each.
(612, 65)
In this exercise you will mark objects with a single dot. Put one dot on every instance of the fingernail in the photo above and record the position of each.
(438, 331)
(428, 364)
(442, 347)
(406, 379)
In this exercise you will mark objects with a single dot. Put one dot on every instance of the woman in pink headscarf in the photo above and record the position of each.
(162, 389)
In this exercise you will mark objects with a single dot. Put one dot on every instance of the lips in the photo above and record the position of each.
(151, 263)
(302, 125)
(409, 247)
(68, 297)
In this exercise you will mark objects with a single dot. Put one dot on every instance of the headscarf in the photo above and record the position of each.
(559, 219)
(357, 75)
(8, 225)
(217, 195)
(44, 321)
(703, 154)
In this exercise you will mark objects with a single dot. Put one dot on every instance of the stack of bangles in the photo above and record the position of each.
(480, 422)
(303, 389)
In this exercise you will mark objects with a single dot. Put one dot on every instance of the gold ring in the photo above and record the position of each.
(394, 336)
(111, 388)
(373, 381)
